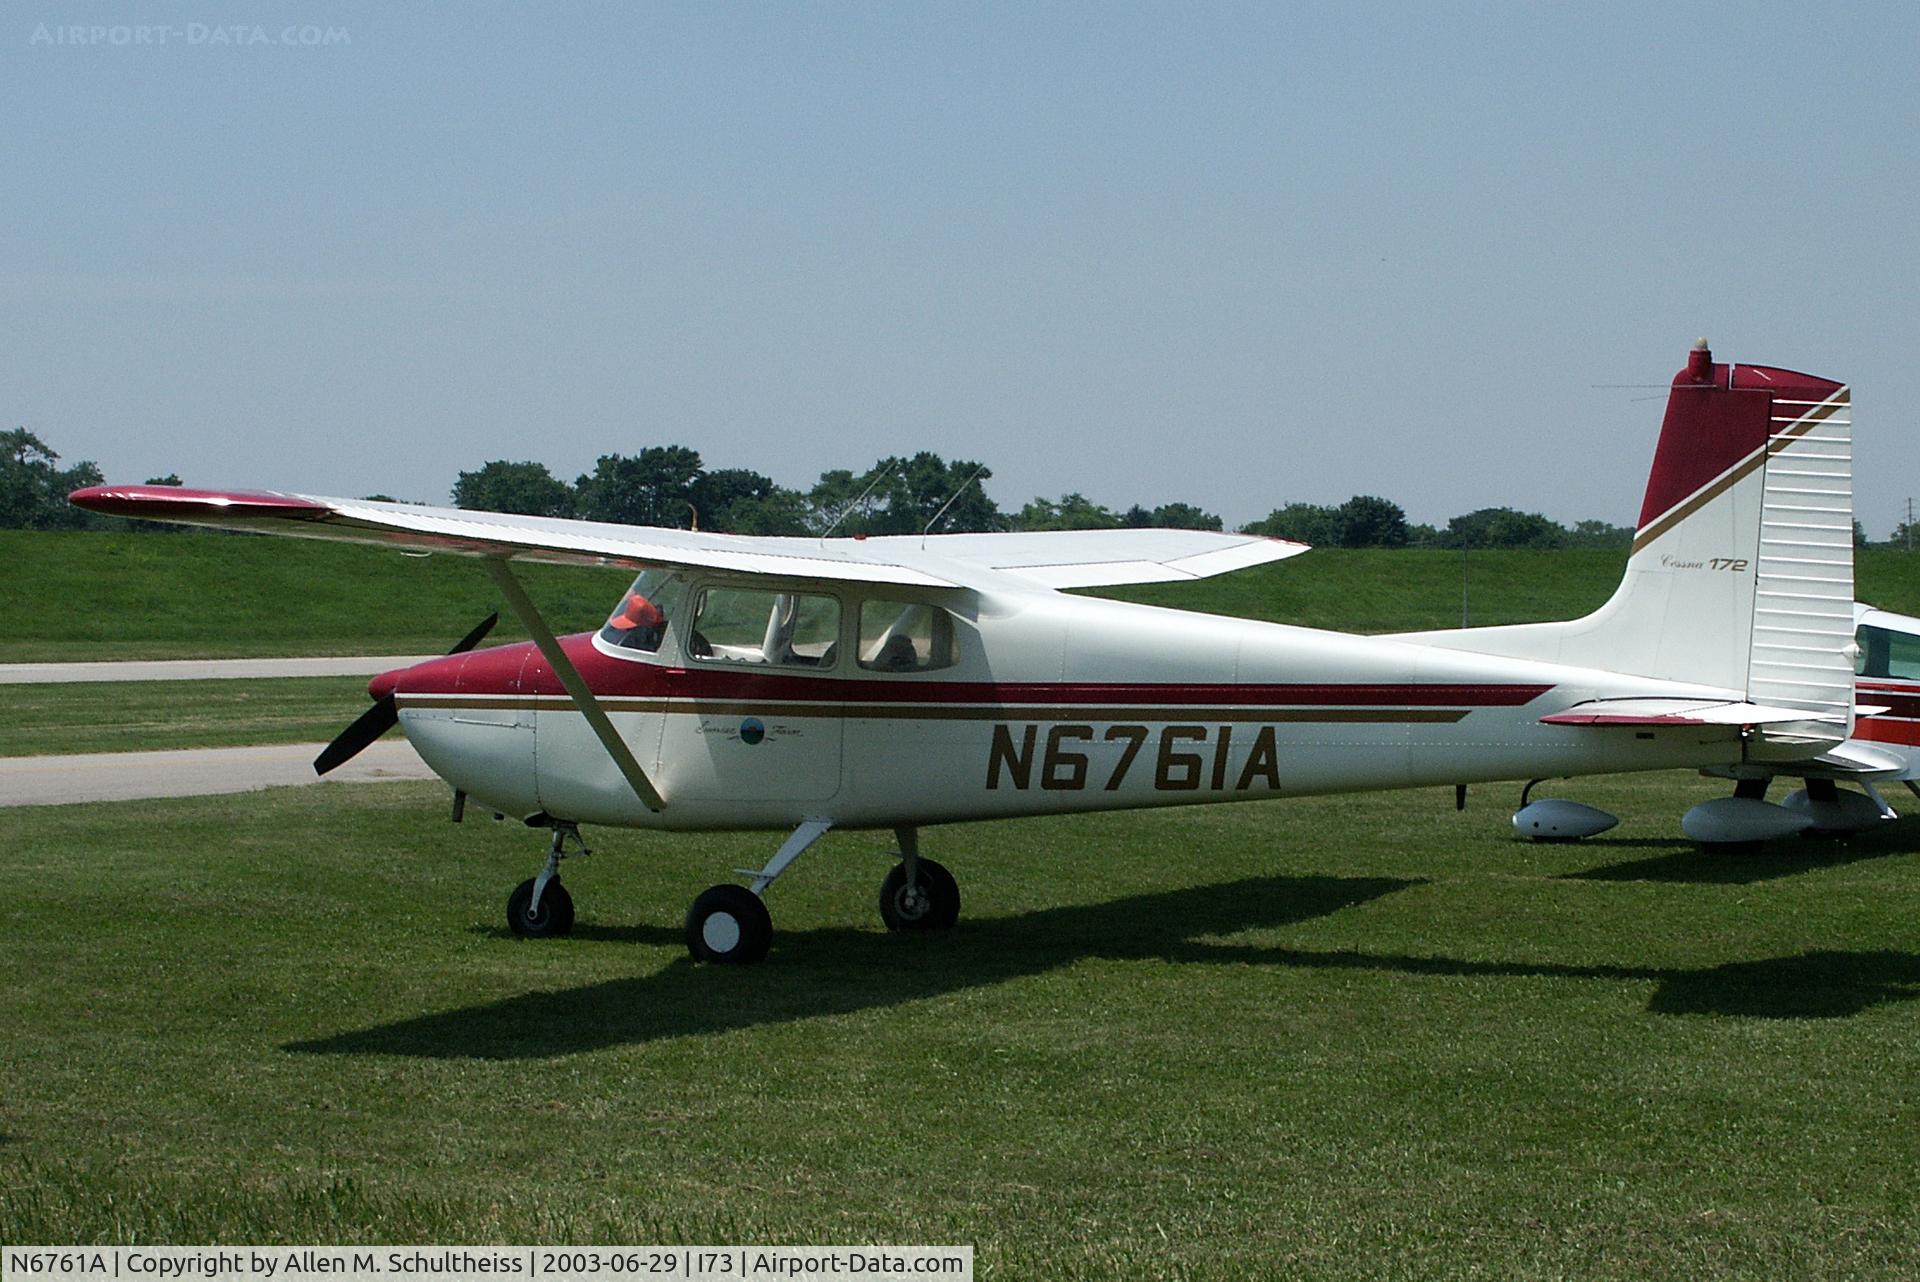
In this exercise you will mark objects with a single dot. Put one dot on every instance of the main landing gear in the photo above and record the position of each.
(918, 894)
(730, 924)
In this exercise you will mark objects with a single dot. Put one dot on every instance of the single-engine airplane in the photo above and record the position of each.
(900, 682)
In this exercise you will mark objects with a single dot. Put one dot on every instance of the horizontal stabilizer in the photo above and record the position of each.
(1679, 712)
(1053, 559)
(1857, 759)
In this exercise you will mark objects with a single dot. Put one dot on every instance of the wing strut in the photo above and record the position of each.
(529, 616)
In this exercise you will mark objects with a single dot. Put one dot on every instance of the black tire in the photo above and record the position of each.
(728, 924)
(933, 903)
(554, 918)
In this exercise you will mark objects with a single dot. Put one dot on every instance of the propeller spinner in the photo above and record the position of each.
(385, 714)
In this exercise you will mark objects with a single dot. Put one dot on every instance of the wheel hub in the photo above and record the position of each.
(721, 932)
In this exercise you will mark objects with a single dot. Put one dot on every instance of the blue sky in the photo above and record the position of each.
(1231, 255)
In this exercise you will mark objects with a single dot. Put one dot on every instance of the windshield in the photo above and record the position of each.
(640, 621)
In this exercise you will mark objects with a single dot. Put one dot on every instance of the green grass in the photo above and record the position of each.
(106, 596)
(85, 596)
(1382, 591)
(1338, 1037)
(116, 716)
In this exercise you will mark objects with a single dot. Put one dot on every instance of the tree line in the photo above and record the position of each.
(1368, 521)
(670, 485)
(34, 489)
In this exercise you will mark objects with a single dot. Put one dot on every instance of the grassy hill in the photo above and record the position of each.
(91, 595)
(97, 596)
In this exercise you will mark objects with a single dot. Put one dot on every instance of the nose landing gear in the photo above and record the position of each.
(540, 906)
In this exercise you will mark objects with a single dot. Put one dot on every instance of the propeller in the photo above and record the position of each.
(385, 713)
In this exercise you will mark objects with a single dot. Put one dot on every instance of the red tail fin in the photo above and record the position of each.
(1719, 421)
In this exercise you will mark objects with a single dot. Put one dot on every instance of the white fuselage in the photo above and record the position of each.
(1052, 704)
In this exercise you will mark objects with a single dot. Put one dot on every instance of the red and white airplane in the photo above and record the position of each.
(804, 685)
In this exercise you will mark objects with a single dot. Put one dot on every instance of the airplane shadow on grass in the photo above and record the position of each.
(1692, 865)
(840, 971)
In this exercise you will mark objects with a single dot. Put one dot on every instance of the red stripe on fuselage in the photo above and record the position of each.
(518, 669)
(1888, 730)
(1899, 701)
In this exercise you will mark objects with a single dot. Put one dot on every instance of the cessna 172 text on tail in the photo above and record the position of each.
(900, 682)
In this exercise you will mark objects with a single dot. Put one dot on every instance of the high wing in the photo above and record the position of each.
(1097, 558)
(1077, 558)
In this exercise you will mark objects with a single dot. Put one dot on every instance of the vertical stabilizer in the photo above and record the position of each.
(1741, 575)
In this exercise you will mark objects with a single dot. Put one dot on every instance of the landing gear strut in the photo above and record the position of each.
(540, 906)
(730, 924)
(918, 894)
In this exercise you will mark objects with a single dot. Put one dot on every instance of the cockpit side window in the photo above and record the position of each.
(757, 625)
(1886, 653)
(905, 636)
(641, 619)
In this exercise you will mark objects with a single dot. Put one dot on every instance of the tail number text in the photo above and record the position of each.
(1182, 758)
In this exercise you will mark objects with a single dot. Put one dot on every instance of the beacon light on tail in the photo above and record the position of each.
(806, 685)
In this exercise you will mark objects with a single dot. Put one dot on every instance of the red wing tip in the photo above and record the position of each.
(175, 501)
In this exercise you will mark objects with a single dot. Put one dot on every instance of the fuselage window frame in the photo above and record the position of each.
(889, 639)
(697, 648)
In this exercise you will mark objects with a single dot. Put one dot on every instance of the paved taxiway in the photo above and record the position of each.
(192, 772)
(195, 772)
(206, 669)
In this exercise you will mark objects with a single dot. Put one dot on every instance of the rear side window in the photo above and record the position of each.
(904, 636)
(754, 625)
(1886, 653)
